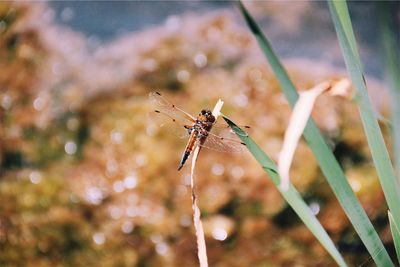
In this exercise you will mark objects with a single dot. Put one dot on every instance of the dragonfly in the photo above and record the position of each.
(196, 129)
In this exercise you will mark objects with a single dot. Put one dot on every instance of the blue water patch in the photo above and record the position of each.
(105, 20)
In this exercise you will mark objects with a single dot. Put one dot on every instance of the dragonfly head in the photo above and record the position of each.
(206, 116)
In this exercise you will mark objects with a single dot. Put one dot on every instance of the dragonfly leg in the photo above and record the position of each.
(188, 128)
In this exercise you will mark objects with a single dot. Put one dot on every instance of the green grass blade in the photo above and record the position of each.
(327, 161)
(390, 43)
(292, 196)
(348, 31)
(380, 155)
(395, 228)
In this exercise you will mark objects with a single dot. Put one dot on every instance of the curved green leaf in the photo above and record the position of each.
(292, 196)
(327, 161)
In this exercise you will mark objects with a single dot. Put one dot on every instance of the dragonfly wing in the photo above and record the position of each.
(222, 129)
(168, 116)
(223, 144)
(163, 105)
(170, 125)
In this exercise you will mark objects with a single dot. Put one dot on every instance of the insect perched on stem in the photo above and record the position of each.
(197, 129)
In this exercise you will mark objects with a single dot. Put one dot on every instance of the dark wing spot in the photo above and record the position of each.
(243, 144)
(173, 120)
(222, 138)
(173, 105)
(157, 111)
(157, 93)
(246, 126)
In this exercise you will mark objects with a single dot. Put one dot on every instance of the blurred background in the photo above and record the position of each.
(87, 179)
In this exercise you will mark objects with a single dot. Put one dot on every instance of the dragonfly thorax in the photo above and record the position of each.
(201, 129)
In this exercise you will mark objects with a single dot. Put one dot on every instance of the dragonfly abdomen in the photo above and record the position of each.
(189, 148)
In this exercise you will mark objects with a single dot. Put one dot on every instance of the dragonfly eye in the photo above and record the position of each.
(203, 112)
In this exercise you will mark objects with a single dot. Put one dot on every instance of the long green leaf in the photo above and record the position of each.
(392, 78)
(292, 196)
(380, 155)
(327, 161)
(390, 44)
(395, 228)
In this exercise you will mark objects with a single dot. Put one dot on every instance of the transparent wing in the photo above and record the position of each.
(174, 112)
(169, 124)
(168, 116)
(223, 144)
(222, 129)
